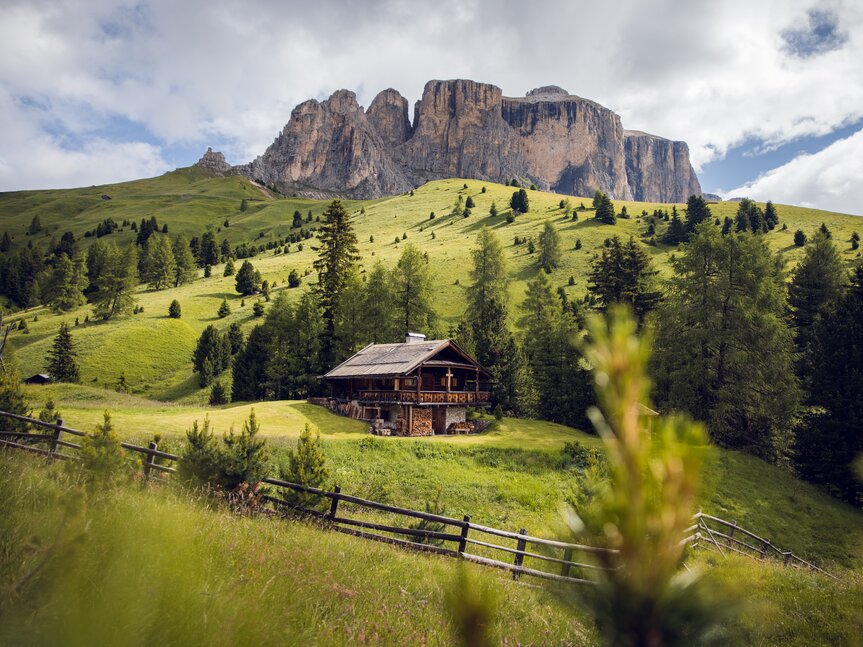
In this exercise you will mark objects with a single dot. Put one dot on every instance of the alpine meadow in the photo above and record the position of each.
(458, 366)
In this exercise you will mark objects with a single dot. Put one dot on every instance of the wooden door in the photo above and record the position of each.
(439, 420)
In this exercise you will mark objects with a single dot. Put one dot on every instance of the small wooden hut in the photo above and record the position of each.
(418, 388)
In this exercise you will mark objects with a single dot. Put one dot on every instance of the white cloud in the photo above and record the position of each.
(227, 73)
(828, 179)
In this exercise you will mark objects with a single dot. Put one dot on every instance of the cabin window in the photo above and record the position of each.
(409, 382)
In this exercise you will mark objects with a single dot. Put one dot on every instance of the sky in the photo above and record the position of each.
(767, 93)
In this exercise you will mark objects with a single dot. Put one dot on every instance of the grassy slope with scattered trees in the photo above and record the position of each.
(493, 476)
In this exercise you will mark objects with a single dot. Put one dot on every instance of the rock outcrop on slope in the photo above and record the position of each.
(461, 128)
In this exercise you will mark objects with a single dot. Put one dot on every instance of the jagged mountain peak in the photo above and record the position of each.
(465, 128)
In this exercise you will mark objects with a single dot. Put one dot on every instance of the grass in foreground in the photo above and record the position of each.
(152, 566)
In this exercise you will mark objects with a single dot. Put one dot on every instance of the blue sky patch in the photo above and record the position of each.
(820, 35)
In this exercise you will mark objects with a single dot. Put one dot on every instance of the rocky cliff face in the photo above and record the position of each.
(329, 146)
(657, 169)
(215, 162)
(571, 145)
(462, 128)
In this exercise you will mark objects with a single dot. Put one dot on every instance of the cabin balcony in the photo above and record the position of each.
(425, 397)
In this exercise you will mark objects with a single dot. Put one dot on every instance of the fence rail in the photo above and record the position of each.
(449, 536)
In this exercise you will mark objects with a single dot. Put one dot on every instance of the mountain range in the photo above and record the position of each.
(461, 128)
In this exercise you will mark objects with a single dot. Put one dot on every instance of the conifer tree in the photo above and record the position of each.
(5, 242)
(224, 309)
(604, 208)
(184, 262)
(799, 238)
(62, 365)
(337, 258)
(697, 212)
(815, 287)
(379, 307)
(677, 232)
(235, 338)
(350, 319)
(519, 202)
(623, 274)
(229, 267)
(549, 248)
(116, 282)
(724, 352)
(307, 465)
(248, 281)
(174, 310)
(412, 289)
(218, 395)
(160, 268)
(831, 437)
(557, 373)
(250, 365)
(65, 290)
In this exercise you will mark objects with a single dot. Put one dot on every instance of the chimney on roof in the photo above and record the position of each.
(414, 337)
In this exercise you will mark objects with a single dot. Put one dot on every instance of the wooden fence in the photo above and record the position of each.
(517, 552)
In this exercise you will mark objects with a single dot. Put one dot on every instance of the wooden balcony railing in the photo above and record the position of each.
(426, 397)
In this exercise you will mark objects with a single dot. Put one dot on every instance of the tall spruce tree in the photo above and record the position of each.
(295, 349)
(68, 280)
(623, 274)
(249, 375)
(62, 362)
(549, 248)
(491, 340)
(604, 208)
(831, 437)
(116, 283)
(815, 287)
(724, 352)
(380, 325)
(248, 281)
(160, 267)
(412, 290)
(349, 319)
(559, 376)
(697, 212)
(184, 262)
(677, 232)
(337, 258)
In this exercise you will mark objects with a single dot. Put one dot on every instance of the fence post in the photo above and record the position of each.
(150, 460)
(764, 548)
(731, 528)
(788, 557)
(462, 542)
(567, 557)
(55, 436)
(519, 556)
(334, 503)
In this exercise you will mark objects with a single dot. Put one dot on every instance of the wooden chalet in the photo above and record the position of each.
(418, 388)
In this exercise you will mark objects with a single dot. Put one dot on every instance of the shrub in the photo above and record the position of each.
(218, 395)
(174, 311)
(510, 217)
(306, 466)
(294, 279)
(799, 238)
(258, 309)
(469, 203)
(224, 309)
(241, 459)
(498, 412)
(198, 462)
(103, 461)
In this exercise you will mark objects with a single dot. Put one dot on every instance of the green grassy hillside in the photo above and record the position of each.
(154, 351)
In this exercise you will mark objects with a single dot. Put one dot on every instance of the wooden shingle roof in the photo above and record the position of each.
(392, 360)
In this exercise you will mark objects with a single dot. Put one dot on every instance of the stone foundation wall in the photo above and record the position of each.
(454, 415)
